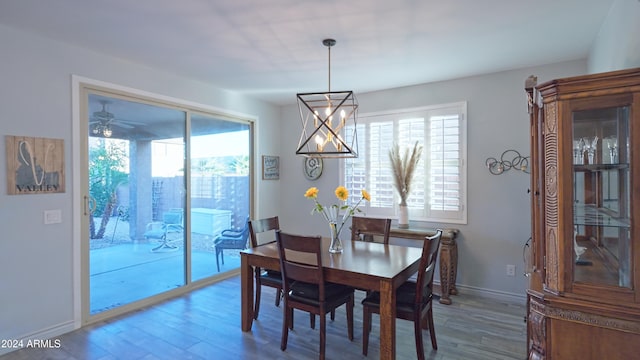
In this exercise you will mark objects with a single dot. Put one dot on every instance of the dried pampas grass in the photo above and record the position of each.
(403, 166)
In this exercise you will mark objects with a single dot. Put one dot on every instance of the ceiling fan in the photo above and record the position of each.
(102, 120)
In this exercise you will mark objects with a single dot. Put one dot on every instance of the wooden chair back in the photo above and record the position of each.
(300, 260)
(426, 270)
(364, 226)
(262, 226)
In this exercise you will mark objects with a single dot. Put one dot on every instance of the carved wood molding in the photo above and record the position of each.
(585, 318)
(551, 195)
(537, 330)
(551, 271)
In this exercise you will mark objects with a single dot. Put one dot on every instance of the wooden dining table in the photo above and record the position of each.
(363, 265)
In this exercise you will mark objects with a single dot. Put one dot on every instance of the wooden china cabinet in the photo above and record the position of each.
(583, 296)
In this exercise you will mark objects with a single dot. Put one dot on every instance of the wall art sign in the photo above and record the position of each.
(270, 167)
(34, 165)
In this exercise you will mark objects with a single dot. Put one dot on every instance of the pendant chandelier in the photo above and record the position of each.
(328, 121)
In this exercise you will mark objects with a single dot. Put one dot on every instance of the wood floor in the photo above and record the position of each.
(205, 324)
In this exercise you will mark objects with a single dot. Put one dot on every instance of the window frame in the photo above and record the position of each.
(424, 214)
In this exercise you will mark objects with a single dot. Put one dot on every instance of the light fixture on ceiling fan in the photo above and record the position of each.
(102, 130)
(328, 121)
(103, 121)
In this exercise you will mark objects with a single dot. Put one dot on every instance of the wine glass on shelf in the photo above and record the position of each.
(612, 144)
(578, 148)
(591, 145)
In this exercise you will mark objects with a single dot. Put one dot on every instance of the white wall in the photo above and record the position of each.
(36, 260)
(498, 206)
(618, 44)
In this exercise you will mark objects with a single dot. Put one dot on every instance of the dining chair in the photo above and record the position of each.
(413, 299)
(363, 228)
(269, 278)
(304, 286)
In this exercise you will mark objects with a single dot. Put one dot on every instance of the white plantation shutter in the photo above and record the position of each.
(439, 184)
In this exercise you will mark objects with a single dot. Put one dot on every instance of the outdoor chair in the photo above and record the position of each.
(413, 299)
(166, 230)
(231, 239)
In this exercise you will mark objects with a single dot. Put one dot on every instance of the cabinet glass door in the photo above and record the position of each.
(601, 197)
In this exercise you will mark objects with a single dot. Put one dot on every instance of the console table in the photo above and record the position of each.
(448, 256)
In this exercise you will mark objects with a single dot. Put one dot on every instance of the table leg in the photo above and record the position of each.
(448, 269)
(387, 321)
(246, 286)
(454, 268)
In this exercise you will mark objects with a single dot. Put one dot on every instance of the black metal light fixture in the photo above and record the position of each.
(328, 121)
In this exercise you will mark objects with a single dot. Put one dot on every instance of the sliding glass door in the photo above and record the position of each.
(166, 186)
(137, 201)
(219, 194)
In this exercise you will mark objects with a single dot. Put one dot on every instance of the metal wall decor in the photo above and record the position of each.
(510, 159)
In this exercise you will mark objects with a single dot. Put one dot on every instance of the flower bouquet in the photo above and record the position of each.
(332, 212)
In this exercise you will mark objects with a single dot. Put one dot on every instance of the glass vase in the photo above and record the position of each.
(336, 243)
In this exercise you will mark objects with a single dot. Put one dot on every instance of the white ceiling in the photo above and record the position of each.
(273, 49)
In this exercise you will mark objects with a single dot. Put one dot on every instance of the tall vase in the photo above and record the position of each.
(403, 217)
(336, 243)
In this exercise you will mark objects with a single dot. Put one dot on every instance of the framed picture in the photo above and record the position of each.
(34, 165)
(270, 167)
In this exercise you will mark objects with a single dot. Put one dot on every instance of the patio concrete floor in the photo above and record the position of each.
(127, 272)
(123, 270)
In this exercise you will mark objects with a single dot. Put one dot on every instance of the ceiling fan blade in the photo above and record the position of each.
(120, 124)
(129, 122)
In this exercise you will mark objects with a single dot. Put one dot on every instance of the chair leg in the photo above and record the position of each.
(432, 330)
(417, 328)
(278, 296)
(312, 321)
(323, 333)
(366, 329)
(291, 318)
(333, 315)
(285, 326)
(217, 260)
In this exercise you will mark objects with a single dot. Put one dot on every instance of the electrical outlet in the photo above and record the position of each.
(52, 216)
(511, 270)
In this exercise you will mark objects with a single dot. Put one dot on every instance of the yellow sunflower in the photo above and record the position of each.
(342, 193)
(311, 193)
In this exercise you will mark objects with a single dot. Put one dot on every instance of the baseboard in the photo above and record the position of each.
(487, 293)
(41, 337)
